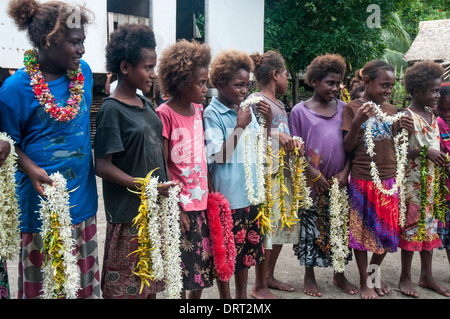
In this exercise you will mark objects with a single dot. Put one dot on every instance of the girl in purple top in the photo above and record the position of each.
(318, 122)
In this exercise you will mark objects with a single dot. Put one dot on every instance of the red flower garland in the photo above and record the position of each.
(45, 97)
(222, 238)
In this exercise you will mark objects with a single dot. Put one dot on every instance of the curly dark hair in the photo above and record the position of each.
(178, 63)
(444, 91)
(264, 65)
(226, 64)
(126, 43)
(420, 75)
(324, 64)
(49, 19)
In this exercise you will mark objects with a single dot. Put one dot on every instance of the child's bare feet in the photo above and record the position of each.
(279, 285)
(407, 288)
(367, 292)
(384, 289)
(263, 293)
(311, 288)
(341, 281)
(430, 283)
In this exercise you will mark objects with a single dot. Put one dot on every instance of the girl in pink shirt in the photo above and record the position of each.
(183, 75)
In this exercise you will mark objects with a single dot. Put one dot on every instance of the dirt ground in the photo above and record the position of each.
(289, 270)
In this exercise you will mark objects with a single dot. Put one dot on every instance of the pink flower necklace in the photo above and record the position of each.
(42, 92)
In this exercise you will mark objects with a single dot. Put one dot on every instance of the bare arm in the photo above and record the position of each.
(105, 169)
(37, 175)
(351, 137)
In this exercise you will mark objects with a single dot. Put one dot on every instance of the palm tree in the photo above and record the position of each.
(397, 42)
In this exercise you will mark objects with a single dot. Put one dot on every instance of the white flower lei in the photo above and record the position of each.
(401, 152)
(171, 243)
(162, 223)
(154, 216)
(260, 154)
(339, 227)
(9, 207)
(61, 272)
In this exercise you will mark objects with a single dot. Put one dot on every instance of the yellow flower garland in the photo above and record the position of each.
(60, 269)
(286, 220)
(158, 236)
(440, 192)
(265, 209)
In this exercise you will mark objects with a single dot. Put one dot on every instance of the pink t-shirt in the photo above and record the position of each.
(187, 158)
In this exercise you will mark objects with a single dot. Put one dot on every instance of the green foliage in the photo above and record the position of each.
(411, 12)
(399, 97)
(302, 30)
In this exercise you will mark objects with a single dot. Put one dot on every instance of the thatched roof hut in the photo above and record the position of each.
(432, 43)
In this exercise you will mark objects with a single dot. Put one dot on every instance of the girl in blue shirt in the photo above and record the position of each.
(54, 137)
(224, 121)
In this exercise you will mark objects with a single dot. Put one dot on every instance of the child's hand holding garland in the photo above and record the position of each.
(437, 157)
(407, 123)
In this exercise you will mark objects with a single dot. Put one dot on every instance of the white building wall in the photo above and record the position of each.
(229, 24)
(13, 43)
(234, 24)
(163, 21)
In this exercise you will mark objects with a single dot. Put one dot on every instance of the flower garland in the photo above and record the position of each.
(439, 190)
(301, 191)
(158, 236)
(339, 225)
(171, 234)
(61, 272)
(42, 92)
(423, 192)
(221, 228)
(260, 155)
(401, 143)
(147, 224)
(440, 193)
(345, 96)
(9, 207)
(265, 209)
(282, 191)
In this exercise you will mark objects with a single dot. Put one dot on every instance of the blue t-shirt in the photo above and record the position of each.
(63, 147)
(228, 178)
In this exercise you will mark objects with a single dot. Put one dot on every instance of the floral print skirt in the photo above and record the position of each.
(196, 253)
(118, 281)
(408, 235)
(314, 247)
(4, 284)
(247, 237)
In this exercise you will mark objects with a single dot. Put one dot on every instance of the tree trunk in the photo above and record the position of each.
(294, 76)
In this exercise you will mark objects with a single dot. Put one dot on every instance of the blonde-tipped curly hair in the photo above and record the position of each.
(226, 64)
(324, 64)
(178, 63)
